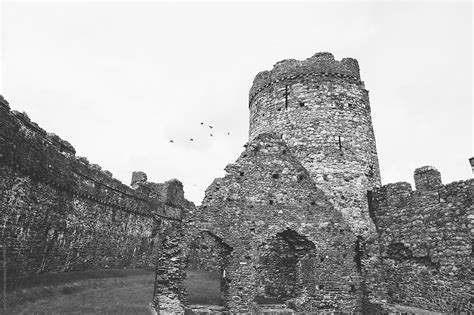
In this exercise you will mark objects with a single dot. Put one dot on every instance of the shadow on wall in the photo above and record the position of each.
(280, 267)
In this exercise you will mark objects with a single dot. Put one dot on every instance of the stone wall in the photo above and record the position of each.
(60, 213)
(425, 243)
(322, 109)
(267, 203)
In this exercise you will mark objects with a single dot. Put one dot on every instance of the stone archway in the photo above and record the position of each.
(280, 267)
(207, 257)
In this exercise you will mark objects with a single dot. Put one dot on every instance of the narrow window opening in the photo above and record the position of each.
(301, 104)
(340, 143)
(371, 171)
(279, 109)
(358, 253)
(371, 206)
(286, 96)
(276, 176)
(313, 203)
(320, 287)
(241, 173)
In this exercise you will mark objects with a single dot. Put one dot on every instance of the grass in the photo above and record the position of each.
(101, 292)
(203, 287)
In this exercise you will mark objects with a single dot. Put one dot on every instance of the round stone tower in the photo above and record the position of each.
(321, 109)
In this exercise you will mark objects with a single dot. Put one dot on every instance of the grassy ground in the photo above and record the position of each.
(203, 287)
(113, 292)
(101, 292)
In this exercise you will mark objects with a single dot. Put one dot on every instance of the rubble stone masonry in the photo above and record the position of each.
(300, 219)
(59, 213)
(425, 243)
(321, 108)
(280, 237)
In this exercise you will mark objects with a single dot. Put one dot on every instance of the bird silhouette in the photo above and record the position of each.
(228, 133)
(191, 139)
(202, 123)
(211, 135)
(210, 127)
(171, 141)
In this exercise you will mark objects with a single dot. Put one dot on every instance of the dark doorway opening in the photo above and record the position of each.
(207, 259)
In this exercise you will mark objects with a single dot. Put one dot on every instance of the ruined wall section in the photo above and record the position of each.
(425, 240)
(60, 213)
(264, 193)
(322, 109)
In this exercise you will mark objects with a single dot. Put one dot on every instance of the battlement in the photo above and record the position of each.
(426, 229)
(33, 129)
(138, 177)
(428, 189)
(322, 63)
(31, 151)
(427, 178)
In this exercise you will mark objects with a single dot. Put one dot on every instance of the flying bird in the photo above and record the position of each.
(210, 127)
(211, 135)
(202, 123)
(228, 133)
(191, 139)
(171, 141)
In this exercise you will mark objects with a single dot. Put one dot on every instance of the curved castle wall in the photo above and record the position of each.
(59, 213)
(321, 108)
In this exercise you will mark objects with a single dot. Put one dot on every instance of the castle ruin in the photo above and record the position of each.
(299, 221)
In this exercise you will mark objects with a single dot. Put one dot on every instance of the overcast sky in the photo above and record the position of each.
(119, 80)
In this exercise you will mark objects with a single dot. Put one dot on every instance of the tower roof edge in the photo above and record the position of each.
(319, 63)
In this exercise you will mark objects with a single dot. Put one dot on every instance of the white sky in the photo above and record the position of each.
(119, 80)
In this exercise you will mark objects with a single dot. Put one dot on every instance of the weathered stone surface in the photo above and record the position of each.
(60, 213)
(298, 223)
(270, 226)
(425, 246)
(281, 234)
(322, 110)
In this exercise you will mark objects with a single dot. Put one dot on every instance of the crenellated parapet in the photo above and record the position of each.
(320, 64)
(425, 240)
(32, 129)
(170, 193)
(45, 157)
(427, 178)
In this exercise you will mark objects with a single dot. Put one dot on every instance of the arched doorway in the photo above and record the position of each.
(280, 267)
(207, 259)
